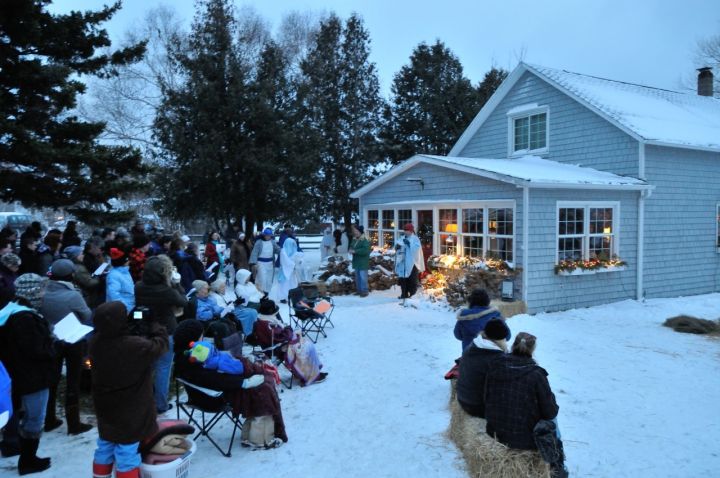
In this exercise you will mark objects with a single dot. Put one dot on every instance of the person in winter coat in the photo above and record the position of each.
(29, 256)
(120, 285)
(245, 316)
(257, 404)
(49, 251)
(86, 263)
(62, 298)
(138, 256)
(70, 236)
(518, 397)
(342, 242)
(9, 267)
(240, 253)
(122, 377)
(211, 251)
(360, 250)
(477, 359)
(26, 350)
(471, 321)
(164, 297)
(207, 309)
(262, 259)
(409, 262)
(196, 265)
(246, 290)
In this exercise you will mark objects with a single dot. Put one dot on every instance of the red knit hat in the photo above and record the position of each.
(409, 227)
(116, 253)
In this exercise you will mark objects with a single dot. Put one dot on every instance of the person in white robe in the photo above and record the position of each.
(287, 276)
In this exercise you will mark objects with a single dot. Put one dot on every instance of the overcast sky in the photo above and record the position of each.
(650, 42)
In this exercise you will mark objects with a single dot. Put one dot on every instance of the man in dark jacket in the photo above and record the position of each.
(123, 389)
(517, 397)
(163, 296)
(477, 359)
(26, 350)
(61, 298)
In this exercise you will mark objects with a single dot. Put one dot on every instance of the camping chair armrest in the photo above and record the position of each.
(207, 391)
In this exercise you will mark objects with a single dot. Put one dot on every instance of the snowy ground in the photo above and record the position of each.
(636, 399)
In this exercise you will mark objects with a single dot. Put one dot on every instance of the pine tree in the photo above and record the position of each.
(432, 103)
(342, 112)
(48, 157)
(200, 122)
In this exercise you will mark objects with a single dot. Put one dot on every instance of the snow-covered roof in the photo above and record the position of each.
(530, 171)
(651, 115)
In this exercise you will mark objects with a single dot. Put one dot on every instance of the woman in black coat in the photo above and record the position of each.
(518, 397)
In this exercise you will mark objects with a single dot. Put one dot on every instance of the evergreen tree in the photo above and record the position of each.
(342, 113)
(491, 81)
(200, 122)
(48, 157)
(432, 103)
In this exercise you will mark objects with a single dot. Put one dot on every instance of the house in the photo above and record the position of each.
(559, 169)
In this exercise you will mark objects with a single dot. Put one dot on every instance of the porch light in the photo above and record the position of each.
(507, 290)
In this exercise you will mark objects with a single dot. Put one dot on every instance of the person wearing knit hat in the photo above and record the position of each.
(409, 261)
(119, 284)
(476, 360)
(61, 299)
(27, 353)
(473, 319)
(9, 266)
(72, 252)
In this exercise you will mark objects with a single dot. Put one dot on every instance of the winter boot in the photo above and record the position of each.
(29, 462)
(75, 426)
(134, 473)
(51, 419)
(102, 471)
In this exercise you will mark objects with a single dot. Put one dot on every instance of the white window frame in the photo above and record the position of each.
(587, 205)
(458, 206)
(526, 112)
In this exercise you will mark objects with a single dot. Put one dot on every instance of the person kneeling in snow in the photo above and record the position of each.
(264, 426)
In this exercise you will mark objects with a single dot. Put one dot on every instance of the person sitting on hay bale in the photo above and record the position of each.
(477, 359)
(471, 321)
(520, 407)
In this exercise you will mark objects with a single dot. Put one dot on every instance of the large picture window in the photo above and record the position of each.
(480, 229)
(587, 231)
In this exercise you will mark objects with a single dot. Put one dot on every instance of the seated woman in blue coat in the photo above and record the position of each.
(472, 321)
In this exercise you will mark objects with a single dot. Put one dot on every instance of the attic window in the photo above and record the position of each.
(528, 131)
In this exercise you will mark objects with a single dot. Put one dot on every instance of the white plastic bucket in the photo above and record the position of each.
(179, 468)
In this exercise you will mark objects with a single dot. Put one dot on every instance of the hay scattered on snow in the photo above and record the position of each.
(485, 456)
(692, 325)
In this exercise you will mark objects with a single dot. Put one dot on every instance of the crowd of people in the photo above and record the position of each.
(109, 280)
(506, 386)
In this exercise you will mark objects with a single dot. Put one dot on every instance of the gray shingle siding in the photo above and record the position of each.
(548, 291)
(681, 256)
(577, 135)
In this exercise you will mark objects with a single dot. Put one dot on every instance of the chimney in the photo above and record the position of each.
(705, 81)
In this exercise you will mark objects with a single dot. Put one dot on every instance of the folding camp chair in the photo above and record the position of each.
(305, 317)
(312, 294)
(205, 401)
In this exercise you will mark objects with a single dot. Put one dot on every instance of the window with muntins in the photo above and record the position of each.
(529, 132)
(587, 231)
(373, 226)
(500, 234)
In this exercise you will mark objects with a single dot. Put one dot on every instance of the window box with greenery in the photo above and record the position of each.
(587, 238)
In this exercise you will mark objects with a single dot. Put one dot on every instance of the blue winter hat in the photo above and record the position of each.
(361, 229)
(267, 231)
(71, 252)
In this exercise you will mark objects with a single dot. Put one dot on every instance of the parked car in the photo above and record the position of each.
(16, 220)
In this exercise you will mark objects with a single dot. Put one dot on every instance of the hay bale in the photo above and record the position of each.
(508, 309)
(485, 456)
(692, 325)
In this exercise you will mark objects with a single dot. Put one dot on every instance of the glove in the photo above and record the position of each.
(253, 381)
